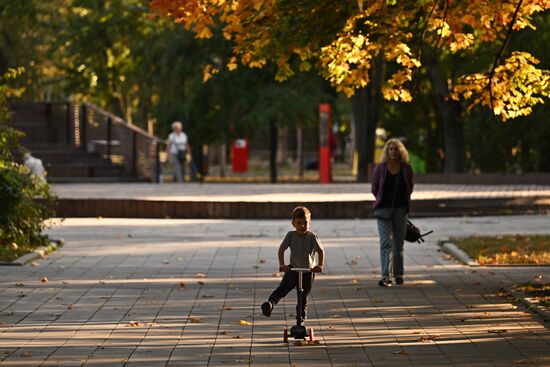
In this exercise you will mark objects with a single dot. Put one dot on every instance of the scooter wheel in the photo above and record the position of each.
(311, 336)
(285, 335)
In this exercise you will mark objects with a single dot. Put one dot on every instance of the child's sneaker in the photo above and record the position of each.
(267, 307)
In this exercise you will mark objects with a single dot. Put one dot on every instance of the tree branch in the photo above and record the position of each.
(499, 55)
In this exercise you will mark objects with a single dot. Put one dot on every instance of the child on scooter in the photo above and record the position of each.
(303, 245)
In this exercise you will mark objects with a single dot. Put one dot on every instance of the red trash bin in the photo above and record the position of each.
(239, 151)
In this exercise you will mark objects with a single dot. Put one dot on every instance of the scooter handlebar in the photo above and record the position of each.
(301, 269)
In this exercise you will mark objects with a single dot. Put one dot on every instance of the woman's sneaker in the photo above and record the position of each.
(399, 280)
(267, 307)
(385, 282)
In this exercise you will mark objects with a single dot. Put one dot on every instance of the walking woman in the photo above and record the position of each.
(392, 185)
(177, 148)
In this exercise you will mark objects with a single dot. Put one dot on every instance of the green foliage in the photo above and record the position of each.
(27, 202)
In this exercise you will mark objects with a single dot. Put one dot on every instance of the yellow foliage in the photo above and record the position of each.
(376, 28)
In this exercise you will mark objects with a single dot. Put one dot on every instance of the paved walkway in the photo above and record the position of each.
(283, 192)
(187, 293)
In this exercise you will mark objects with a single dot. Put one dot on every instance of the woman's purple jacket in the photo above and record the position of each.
(379, 176)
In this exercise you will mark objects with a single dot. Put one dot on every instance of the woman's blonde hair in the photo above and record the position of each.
(403, 154)
(177, 123)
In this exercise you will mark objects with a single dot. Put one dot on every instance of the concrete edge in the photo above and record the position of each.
(533, 307)
(450, 248)
(39, 252)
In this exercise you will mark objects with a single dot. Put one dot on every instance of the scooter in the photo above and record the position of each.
(299, 331)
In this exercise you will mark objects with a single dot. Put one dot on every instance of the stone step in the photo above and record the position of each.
(84, 170)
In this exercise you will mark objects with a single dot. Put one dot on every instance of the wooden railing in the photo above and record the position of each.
(110, 136)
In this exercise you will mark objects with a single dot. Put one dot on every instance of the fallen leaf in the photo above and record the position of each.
(313, 342)
(207, 296)
(400, 352)
(182, 284)
(26, 354)
(426, 339)
(262, 261)
(134, 324)
(377, 301)
(244, 322)
(65, 282)
(71, 307)
(354, 281)
(223, 332)
(275, 275)
(227, 308)
(19, 284)
(101, 282)
(236, 337)
(200, 276)
(44, 280)
(34, 263)
(200, 282)
(497, 331)
(195, 320)
(522, 361)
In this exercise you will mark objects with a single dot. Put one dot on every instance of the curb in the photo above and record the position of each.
(533, 306)
(39, 252)
(452, 249)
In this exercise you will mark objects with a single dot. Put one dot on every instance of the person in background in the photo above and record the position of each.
(35, 166)
(177, 148)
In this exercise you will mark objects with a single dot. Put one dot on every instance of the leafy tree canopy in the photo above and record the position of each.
(341, 39)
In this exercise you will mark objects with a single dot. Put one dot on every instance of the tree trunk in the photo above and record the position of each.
(273, 137)
(366, 111)
(451, 113)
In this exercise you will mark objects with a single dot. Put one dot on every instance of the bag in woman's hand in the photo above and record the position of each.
(413, 233)
(182, 156)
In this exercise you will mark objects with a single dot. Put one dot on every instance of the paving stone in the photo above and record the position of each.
(188, 292)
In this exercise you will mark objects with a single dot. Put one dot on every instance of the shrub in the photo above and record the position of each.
(26, 202)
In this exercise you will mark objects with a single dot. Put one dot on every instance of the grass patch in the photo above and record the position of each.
(507, 250)
(540, 292)
(10, 253)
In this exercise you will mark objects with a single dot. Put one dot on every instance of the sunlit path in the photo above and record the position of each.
(187, 293)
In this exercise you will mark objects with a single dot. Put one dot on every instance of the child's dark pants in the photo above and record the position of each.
(288, 283)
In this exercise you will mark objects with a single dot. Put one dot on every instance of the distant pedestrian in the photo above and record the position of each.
(177, 148)
(303, 245)
(35, 167)
(392, 185)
